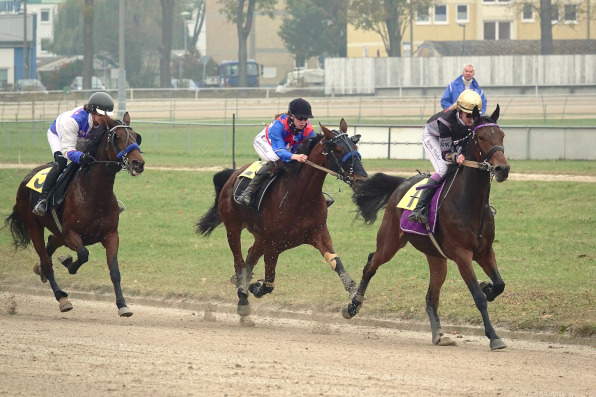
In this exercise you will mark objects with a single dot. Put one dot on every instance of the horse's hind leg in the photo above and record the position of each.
(111, 243)
(438, 273)
(266, 286)
(47, 269)
(242, 277)
(390, 239)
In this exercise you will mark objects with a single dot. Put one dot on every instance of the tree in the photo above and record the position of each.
(167, 26)
(546, 27)
(199, 8)
(241, 13)
(88, 17)
(388, 18)
(314, 28)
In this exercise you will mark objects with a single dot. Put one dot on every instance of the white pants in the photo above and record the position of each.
(433, 150)
(263, 148)
(55, 142)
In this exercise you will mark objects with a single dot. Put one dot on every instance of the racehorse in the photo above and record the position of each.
(465, 231)
(89, 212)
(294, 212)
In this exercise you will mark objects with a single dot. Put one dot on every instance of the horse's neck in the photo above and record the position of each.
(97, 181)
(473, 190)
(310, 178)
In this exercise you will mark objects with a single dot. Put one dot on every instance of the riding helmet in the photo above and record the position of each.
(102, 103)
(301, 108)
(468, 100)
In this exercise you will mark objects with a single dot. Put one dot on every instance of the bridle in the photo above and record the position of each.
(484, 165)
(123, 154)
(342, 139)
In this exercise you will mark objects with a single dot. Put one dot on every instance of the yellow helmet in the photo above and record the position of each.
(467, 100)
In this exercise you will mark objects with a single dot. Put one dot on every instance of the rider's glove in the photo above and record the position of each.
(86, 159)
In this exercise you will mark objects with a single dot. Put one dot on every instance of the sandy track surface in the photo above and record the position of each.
(164, 351)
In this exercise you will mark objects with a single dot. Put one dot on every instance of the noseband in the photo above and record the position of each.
(123, 154)
(353, 154)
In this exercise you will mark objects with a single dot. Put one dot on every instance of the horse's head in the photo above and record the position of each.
(487, 144)
(121, 145)
(342, 154)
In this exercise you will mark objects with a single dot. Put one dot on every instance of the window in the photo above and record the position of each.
(441, 14)
(462, 13)
(44, 16)
(571, 13)
(3, 78)
(423, 15)
(528, 13)
(497, 30)
(554, 14)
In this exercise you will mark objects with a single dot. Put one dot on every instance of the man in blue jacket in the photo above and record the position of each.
(465, 81)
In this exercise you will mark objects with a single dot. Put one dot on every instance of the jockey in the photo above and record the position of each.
(63, 135)
(437, 138)
(280, 139)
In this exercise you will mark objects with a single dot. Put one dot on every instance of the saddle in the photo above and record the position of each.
(244, 179)
(408, 203)
(56, 195)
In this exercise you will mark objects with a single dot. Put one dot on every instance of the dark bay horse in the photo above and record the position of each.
(89, 213)
(294, 212)
(465, 231)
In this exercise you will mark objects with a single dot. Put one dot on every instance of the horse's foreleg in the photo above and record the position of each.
(111, 243)
(488, 263)
(254, 254)
(438, 273)
(322, 242)
(464, 264)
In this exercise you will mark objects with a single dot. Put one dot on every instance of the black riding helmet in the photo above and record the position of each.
(102, 103)
(301, 108)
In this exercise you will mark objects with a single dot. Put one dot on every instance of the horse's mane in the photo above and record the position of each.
(307, 146)
(95, 138)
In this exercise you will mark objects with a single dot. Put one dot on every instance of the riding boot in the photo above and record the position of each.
(42, 204)
(420, 213)
(246, 196)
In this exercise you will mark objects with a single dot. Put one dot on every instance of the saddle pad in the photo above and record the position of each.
(408, 203)
(244, 179)
(36, 183)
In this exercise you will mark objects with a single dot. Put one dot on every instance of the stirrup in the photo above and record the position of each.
(246, 199)
(419, 217)
(121, 206)
(41, 207)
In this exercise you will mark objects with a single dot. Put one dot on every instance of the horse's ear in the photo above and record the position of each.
(327, 132)
(355, 139)
(126, 118)
(495, 116)
(343, 126)
(475, 112)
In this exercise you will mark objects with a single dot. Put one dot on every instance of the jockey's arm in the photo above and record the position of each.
(69, 132)
(278, 144)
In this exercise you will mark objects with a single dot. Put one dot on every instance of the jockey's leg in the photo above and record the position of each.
(260, 175)
(420, 213)
(59, 164)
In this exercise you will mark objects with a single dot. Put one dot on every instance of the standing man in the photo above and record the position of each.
(465, 81)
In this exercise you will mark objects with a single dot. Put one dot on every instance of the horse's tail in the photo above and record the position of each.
(20, 235)
(373, 194)
(208, 222)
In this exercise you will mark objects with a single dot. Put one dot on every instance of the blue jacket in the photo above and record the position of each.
(283, 142)
(456, 87)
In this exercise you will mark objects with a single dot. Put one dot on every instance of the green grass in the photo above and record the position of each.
(545, 249)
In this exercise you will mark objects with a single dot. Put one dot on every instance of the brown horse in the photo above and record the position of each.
(89, 212)
(465, 231)
(293, 212)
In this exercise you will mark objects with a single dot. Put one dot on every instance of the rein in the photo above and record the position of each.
(320, 167)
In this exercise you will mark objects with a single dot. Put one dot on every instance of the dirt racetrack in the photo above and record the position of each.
(164, 351)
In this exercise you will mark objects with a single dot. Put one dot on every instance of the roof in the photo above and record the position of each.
(502, 47)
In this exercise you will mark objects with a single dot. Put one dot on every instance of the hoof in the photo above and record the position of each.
(497, 344)
(243, 310)
(445, 341)
(124, 312)
(37, 270)
(65, 305)
(345, 312)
